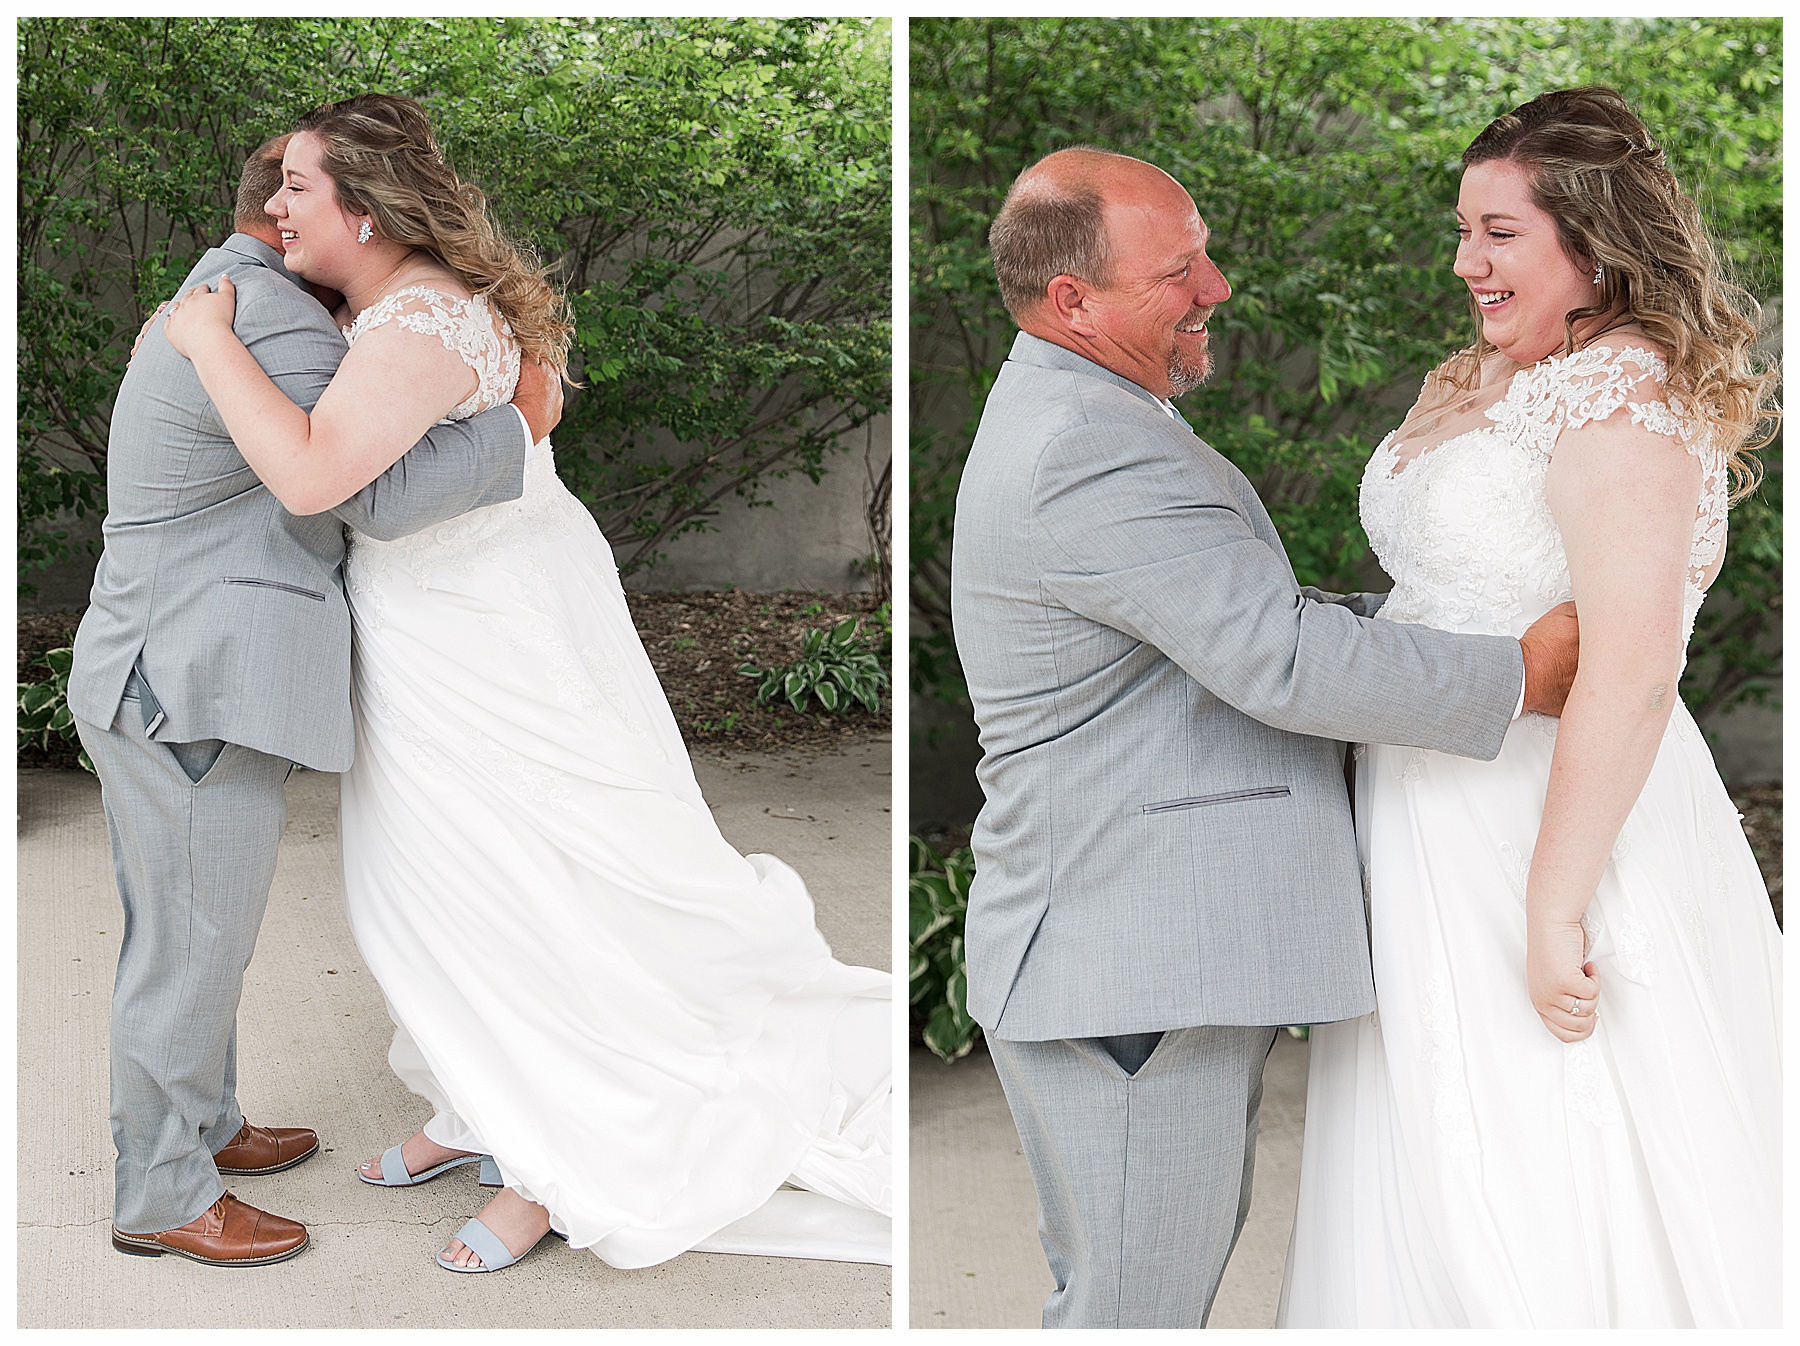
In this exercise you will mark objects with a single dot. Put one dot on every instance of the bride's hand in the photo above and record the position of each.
(1564, 989)
(144, 331)
(201, 314)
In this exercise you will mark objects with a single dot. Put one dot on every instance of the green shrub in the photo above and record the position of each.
(937, 900)
(44, 708)
(836, 668)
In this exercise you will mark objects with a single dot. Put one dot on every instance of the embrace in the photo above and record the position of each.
(336, 537)
(1543, 973)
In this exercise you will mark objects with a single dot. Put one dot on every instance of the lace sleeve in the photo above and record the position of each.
(467, 327)
(1600, 382)
(1568, 392)
(1594, 388)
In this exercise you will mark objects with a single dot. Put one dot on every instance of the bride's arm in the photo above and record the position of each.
(1625, 501)
(391, 388)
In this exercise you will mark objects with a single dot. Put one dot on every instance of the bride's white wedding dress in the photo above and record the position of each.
(644, 1027)
(1462, 1167)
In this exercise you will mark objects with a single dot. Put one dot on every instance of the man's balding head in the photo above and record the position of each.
(1054, 221)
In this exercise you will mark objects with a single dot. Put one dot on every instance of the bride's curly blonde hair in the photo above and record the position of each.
(385, 163)
(1594, 170)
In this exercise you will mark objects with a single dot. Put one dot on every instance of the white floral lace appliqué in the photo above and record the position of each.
(1588, 1084)
(1517, 867)
(1450, 1106)
(1635, 948)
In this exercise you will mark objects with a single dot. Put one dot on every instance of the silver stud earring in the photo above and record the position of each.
(1599, 271)
(364, 234)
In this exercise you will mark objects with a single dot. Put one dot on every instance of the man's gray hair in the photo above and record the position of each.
(259, 181)
(1047, 229)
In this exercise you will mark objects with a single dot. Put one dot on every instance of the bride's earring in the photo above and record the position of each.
(1599, 271)
(364, 234)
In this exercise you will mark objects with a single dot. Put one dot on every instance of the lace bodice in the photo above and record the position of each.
(467, 327)
(1461, 523)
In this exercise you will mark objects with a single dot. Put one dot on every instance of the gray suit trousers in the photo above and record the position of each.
(1142, 1166)
(194, 828)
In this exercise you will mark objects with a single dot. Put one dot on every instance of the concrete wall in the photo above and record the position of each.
(64, 587)
(1746, 744)
(943, 794)
(808, 537)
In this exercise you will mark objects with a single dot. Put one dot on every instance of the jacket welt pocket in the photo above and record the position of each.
(1227, 797)
(313, 594)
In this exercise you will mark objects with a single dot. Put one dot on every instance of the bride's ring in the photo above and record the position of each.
(1575, 1006)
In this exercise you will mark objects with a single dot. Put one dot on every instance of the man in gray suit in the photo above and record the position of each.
(215, 652)
(1166, 868)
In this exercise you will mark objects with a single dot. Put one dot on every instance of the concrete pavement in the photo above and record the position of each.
(313, 1040)
(976, 1260)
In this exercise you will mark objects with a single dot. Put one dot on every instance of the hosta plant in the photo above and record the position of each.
(44, 707)
(836, 668)
(938, 898)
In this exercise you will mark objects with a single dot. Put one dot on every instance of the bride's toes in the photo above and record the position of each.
(461, 1254)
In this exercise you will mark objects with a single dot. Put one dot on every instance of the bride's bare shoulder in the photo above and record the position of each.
(1631, 343)
(441, 281)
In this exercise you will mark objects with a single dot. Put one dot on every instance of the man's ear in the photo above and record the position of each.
(1065, 304)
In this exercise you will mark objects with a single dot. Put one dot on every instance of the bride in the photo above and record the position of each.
(639, 1032)
(1566, 1109)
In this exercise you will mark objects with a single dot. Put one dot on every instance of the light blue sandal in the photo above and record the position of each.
(486, 1244)
(394, 1174)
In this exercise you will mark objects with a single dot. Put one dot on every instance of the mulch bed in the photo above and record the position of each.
(696, 641)
(41, 631)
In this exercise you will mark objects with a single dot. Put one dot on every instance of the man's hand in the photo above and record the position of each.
(539, 397)
(1552, 649)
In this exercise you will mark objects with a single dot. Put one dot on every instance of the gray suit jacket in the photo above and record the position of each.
(233, 608)
(1167, 840)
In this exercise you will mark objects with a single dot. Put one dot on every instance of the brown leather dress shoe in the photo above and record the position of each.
(256, 1150)
(227, 1234)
